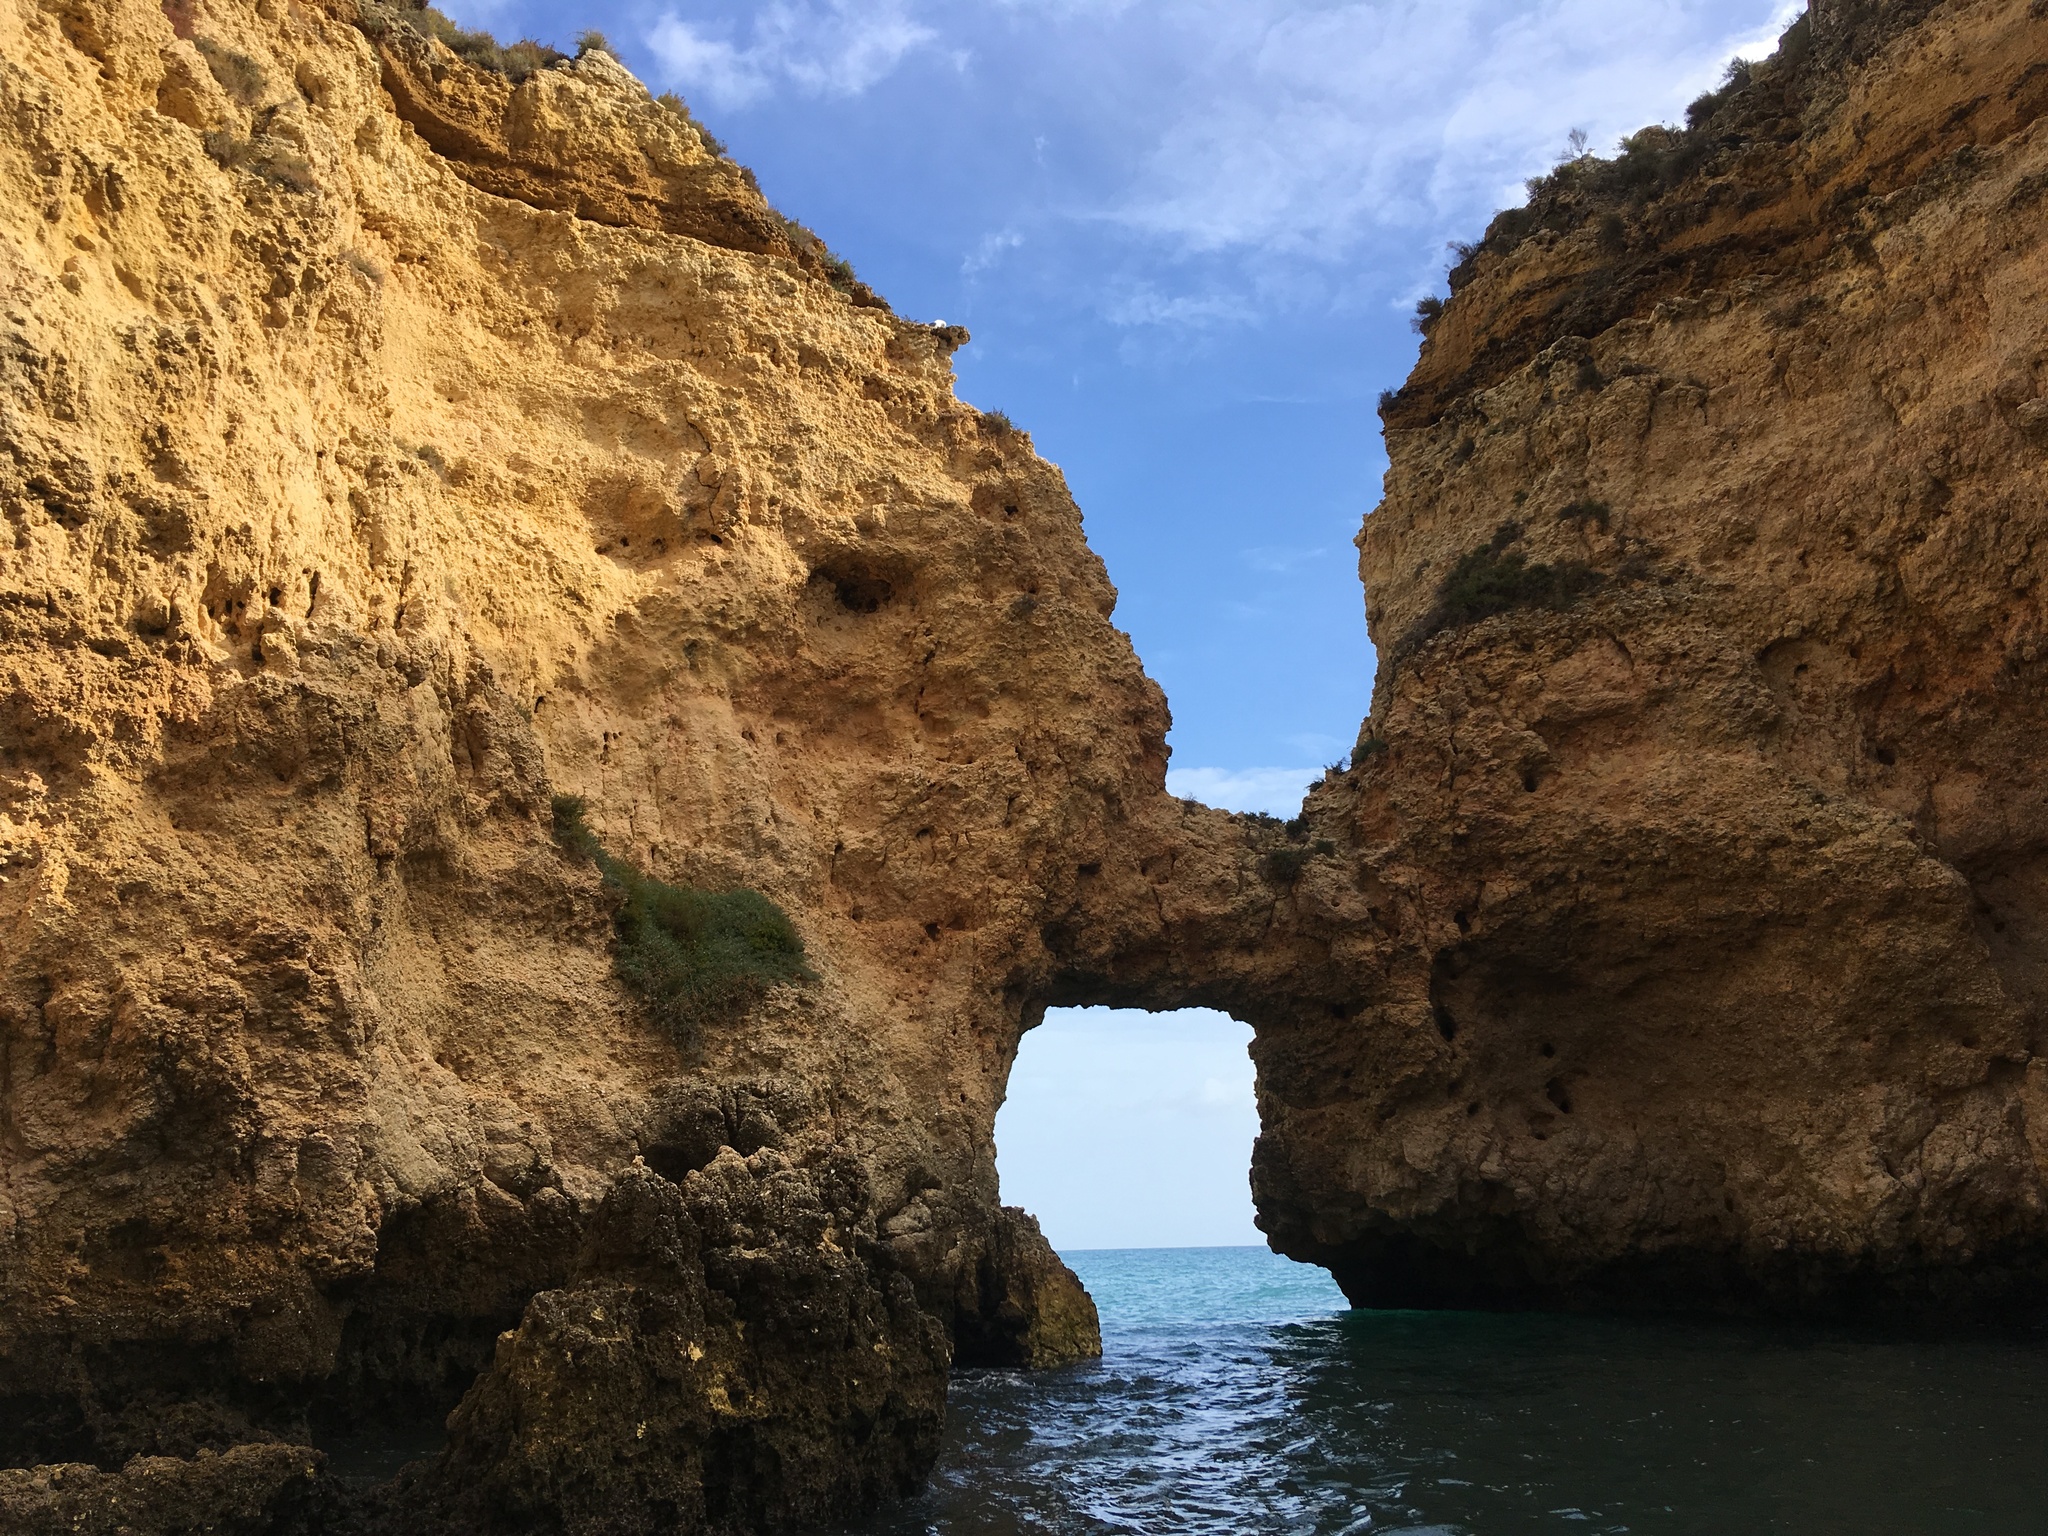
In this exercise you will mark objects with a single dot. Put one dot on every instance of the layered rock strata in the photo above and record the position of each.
(1686, 920)
(389, 447)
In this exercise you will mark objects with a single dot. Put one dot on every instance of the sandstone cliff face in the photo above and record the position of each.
(388, 447)
(1686, 935)
(387, 450)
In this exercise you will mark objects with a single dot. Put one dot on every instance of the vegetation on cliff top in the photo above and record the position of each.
(693, 955)
(1663, 181)
(517, 61)
(1755, 102)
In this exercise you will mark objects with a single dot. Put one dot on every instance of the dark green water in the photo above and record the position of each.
(1236, 1394)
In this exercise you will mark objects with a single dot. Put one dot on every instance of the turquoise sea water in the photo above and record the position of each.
(1237, 1394)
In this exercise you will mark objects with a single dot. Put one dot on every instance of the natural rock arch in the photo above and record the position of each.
(1673, 937)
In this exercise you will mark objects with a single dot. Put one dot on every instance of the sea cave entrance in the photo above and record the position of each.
(1127, 1130)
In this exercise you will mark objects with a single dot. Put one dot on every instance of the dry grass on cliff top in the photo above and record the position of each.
(1756, 101)
(515, 61)
(527, 57)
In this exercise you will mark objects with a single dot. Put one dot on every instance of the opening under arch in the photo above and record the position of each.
(1124, 1129)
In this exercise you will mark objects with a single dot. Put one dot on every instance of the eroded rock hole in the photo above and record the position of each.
(856, 588)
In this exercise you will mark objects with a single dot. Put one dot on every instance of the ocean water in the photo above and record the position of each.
(1237, 1394)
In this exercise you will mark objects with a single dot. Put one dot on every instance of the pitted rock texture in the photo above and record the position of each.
(1687, 938)
(1029, 1309)
(359, 503)
(251, 1490)
(386, 450)
(723, 1360)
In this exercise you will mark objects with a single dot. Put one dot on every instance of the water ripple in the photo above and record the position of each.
(1237, 1395)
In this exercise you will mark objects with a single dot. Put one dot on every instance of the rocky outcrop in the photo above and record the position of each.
(249, 1490)
(724, 1359)
(362, 499)
(1684, 909)
(394, 454)
(620, 159)
(1028, 1308)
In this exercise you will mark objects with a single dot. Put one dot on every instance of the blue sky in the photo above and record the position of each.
(1132, 1130)
(1187, 236)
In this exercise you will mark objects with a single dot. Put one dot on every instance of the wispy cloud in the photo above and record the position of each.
(821, 48)
(1146, 305)
(1277, 560)
(1276, 791)
(1301, 129)
(990, 251)
(1318, 744)
(1279, 156)
(1246, 158)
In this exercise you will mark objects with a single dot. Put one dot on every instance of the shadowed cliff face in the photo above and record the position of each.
(1678, 937)
(391, 447)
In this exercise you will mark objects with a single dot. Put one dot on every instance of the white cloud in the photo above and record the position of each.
(1306, 156)
(990, 251)
(1148, 306)
(1302, 128)
(1280, 561)
(819, 48)
(1276, 791)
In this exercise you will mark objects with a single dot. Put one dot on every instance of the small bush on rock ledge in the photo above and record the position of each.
(693, 955)
(1496, 578)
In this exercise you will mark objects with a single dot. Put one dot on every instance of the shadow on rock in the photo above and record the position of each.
(729, 1357)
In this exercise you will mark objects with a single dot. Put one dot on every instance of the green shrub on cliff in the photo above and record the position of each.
(1585, 511)
(1758, 104)
(693, 955)
(1284, 865)
(1496, 578)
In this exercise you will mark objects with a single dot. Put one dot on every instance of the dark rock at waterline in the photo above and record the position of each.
(729, 1357)
(1026, 1307)
(251, 1490)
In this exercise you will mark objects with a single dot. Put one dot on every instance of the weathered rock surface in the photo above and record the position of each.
(250, 1490)
(1028, 1308)
(387, 448)
(1686, 936)
(723, 1359)
(361, 496)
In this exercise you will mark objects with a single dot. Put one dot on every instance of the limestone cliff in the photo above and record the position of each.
(1685, 917)
(391, 446)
